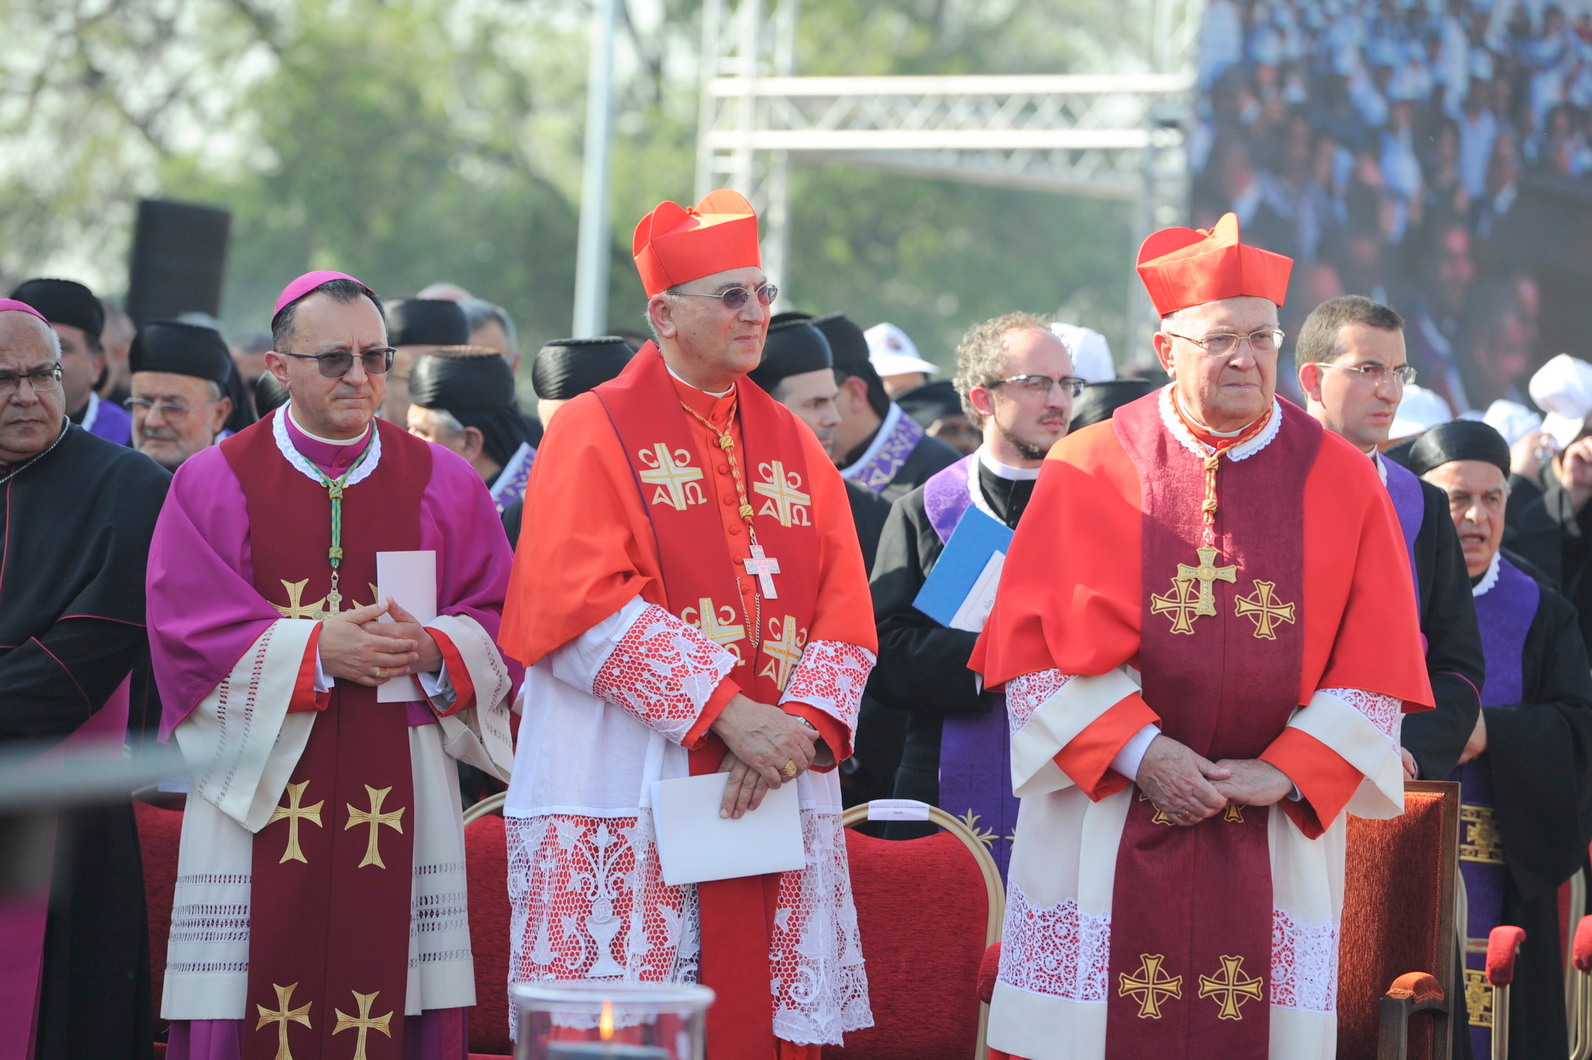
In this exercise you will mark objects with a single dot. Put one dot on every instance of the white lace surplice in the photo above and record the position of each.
(1051, 993)
(587, 897)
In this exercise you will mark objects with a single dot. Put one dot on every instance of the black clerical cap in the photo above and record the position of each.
(470, 380)
(793, 346)
(269, 393)
(931, 402)
(1099, 400)
(847, 344)
(64, 302)
(1459, 440)
(427, 322)
(565, 368)
(181, 349)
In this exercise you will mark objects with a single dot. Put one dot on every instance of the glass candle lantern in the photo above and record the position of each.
(610, 1021)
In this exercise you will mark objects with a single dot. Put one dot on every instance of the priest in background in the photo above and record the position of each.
(877, 445)
(1017, 381)
(177, 401)
(1182, 818)
(1526, 773)
(1352, 368)
(79, 320)
(689, 598)
(464, 401)
(416, 327)
(76, 515)
(322, 860)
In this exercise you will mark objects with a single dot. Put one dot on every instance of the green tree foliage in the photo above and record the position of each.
(441, 140)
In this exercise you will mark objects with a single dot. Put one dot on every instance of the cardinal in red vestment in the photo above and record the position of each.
(689, 598)
(1205, 633)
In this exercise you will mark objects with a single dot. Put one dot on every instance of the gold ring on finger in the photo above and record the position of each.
(789, 769)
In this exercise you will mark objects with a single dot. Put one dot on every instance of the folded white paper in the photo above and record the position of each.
(411, 579)
(695, 844)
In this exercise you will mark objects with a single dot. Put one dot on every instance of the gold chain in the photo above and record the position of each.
(727, 446)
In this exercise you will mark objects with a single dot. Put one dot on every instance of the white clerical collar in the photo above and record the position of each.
(693, 386)
(1489, 578)
(1377, 462)
(297, 426)
(90, 412)
(1243, 451)
(987, 461)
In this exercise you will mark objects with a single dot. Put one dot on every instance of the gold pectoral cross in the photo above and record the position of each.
(1206, 574)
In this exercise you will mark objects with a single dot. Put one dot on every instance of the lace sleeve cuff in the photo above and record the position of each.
(831, 677)
(662, 671)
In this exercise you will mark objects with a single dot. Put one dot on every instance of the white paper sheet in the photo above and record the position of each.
(975, 610)
(411, 579)
(696, 844)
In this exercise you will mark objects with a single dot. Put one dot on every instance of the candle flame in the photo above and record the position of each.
(605, 1022)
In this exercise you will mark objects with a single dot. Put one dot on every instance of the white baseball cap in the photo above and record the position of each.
(891, 352)
(1091, 353)
(1563, 387)
(1418, 412)
(1511, 419)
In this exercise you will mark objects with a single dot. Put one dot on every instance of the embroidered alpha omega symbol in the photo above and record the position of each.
(678, 483)
(786, 502)
(784, 650)
(718, 624)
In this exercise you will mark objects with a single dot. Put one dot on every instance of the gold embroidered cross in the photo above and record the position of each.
(985, 836)
(1149, 985)
(1231, 988)
(717, 624)
(1481, 840)
(293, 813)
(363, 1024)
(1179, 604)
(1234, 812)
(786, 502)
(671, 473)
(296, 608)
(375, 819)
(283, 1016)
(784, 651)
(1207, 574)
(1266, 610)
(1160, 814)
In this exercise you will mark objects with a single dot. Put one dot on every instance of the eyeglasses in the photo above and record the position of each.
(735, 297)
(1266, 340)
(1039, 385)
(1374, 373)
(336, 365)
(40, 379)
(173, 412)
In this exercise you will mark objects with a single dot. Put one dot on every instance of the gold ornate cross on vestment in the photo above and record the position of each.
(1231, 988)
(671, 473)
(784, 651)
(1149, 985)
(1181, 603)
(296, 608)
(1265, 609)
(786, 502)
(717, 624)
(1207, 573)
(293, 812)
(375, 819)
(363, 1024)
(283, 1016)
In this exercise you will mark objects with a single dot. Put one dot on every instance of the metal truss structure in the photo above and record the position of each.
(1117, 137)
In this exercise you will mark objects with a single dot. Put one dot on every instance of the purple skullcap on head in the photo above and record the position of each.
(11, 304)
(307, 283)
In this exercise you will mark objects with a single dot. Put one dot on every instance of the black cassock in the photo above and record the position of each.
(1538, 765)
(1544, 529)
(75, 526)
(922, 669)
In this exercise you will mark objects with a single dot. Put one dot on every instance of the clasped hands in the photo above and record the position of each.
(356, 647)
(1188, 787)
(767, 748)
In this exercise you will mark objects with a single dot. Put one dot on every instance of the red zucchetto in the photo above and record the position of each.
(1184, 267)
(675, 244)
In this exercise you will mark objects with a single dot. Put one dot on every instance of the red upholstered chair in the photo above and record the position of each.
(1581, 987)
(159, 833)
(927, 909)
(487, 869)
(1398, 929)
